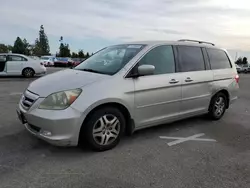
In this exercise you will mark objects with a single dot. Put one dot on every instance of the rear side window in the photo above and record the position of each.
(218, 59)
(16, 58)
(190, 59)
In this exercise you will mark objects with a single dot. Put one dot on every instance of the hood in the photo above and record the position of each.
(63, 80)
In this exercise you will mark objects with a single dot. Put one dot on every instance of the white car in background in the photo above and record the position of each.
(246, 68)
(239, 68)
(20, 65)
(48, 60)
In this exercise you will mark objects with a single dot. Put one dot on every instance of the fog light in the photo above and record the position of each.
(46, 133)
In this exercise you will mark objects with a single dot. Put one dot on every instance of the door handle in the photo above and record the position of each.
(188, 79)
(173, 81)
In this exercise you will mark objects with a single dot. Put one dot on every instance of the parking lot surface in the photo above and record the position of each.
(187, 154)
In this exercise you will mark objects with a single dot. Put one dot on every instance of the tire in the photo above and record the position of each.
(217, 106)
(99, 132)
(28, 72)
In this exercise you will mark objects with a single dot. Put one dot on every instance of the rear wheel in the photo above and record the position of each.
(28, 72)
(218, 106)
(104, 128)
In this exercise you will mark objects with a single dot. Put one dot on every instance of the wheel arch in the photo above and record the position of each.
(225, 92)
(129, 129)
(28, 68)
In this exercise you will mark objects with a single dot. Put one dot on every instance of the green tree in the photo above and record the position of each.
(36, 50)
(41, 46)
(27, 47)
(244, 61)
(4, 48)
(81, 54)
(43, 42)
(18, 46)
(74, 55)
(87, 55)
(64, 50)
(239, 61)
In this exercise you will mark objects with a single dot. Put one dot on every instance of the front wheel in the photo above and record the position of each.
(218, 106)
(104, 128)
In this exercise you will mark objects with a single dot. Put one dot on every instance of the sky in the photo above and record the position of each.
(93, 24)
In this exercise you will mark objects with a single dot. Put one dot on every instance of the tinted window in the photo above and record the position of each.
(218, 59)
(190, 59)
(162, 58)
(16, 58)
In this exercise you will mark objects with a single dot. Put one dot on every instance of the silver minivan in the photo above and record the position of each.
(128, 87)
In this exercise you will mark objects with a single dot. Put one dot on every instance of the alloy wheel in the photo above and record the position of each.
(28, 73)
(219, 106)
(106, 129)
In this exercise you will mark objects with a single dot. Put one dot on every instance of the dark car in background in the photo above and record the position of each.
(63, 62)
(77, 61)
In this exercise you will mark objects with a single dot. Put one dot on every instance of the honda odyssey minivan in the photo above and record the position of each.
(128, 87)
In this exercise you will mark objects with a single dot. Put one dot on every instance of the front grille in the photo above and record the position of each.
(28, 99)
(27, 102)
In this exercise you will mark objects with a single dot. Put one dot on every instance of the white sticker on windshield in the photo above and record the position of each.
(135, 46)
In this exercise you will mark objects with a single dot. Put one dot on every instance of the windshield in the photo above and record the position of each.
(111, 59)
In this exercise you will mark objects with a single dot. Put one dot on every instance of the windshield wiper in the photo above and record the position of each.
(91, 70)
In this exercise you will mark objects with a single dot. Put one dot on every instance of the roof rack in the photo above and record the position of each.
(200, 42)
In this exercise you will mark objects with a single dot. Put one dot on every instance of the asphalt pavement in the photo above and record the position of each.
(193, 153)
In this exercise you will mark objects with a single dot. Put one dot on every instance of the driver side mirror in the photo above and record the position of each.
(145, 70)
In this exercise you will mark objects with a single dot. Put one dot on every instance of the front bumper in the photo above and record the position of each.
(59, 127)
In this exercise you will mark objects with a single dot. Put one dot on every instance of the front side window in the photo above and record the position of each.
(16, 58)
(162, 57)
(111, 59)
(218, 59)
(190, 59)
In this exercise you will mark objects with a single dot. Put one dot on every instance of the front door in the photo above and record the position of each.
(15, 64)
(197, 80)
(158, 96)
(3, 61)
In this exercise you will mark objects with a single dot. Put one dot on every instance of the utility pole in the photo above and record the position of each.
(236, 56)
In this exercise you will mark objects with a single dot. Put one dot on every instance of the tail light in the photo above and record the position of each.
(237, 78)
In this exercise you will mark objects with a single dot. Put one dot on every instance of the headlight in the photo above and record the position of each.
(60, 100)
